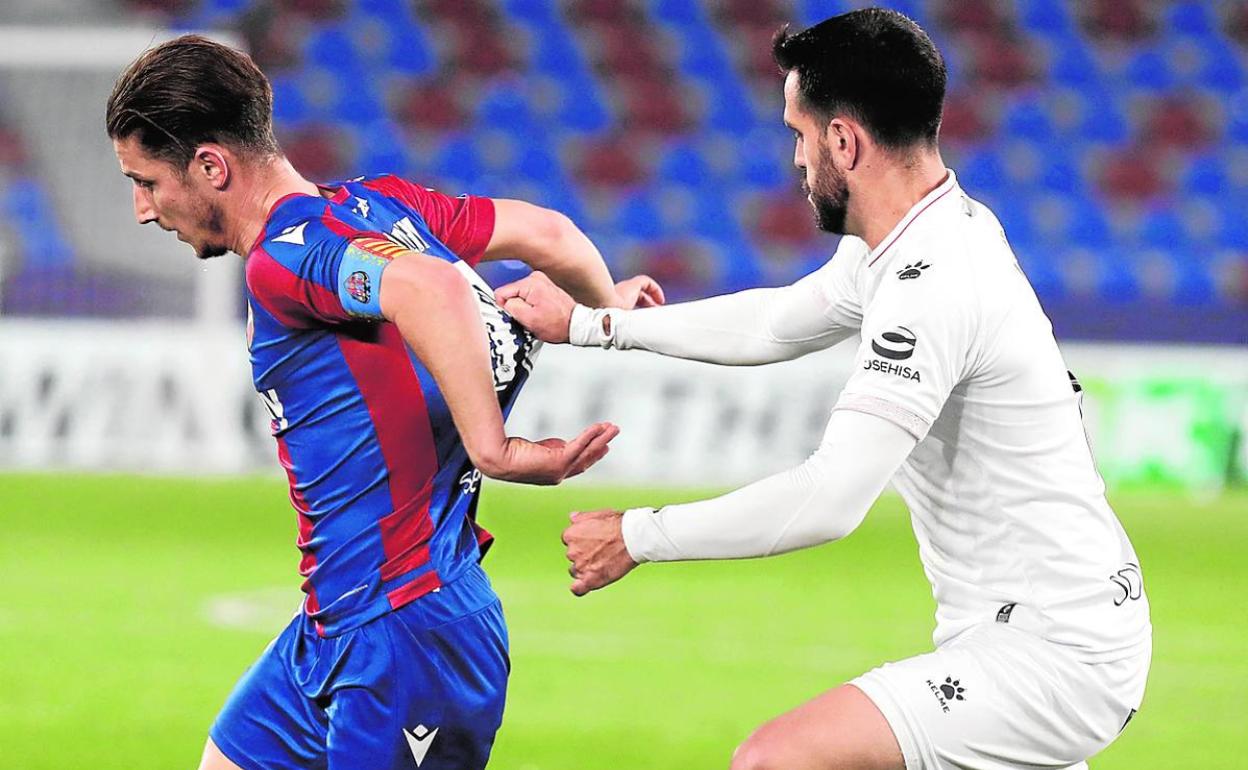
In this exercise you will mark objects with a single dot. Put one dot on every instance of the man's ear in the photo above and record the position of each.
(212, 165)
(844, 140)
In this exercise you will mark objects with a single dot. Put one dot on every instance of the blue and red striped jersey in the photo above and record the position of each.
(384, 491)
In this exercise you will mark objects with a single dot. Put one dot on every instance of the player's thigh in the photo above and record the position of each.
(839, 730)
(436, 704)
(213, 759)
(994, 698)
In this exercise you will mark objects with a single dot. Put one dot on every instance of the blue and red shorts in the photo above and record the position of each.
(421, 687)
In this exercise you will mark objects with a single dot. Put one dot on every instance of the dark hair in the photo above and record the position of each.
(874, 65)
(192, 90)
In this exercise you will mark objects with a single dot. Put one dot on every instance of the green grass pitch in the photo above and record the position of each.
(129, 606)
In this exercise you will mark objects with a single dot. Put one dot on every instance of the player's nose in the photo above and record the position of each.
(144, 212)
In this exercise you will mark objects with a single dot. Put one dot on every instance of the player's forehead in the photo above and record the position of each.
(134, 159)
(793, 112)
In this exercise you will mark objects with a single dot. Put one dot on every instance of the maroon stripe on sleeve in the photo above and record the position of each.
(465, 224)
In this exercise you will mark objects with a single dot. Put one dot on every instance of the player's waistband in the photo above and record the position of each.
(465, 593)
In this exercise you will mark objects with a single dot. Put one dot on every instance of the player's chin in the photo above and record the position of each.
(208, 251)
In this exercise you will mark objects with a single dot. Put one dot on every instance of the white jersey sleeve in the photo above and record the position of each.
(751, 327)
(823, 499)
(918, 340)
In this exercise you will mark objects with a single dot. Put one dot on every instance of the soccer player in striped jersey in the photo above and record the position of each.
(958, 395)
(388, 370)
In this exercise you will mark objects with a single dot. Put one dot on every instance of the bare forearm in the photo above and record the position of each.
(574, 263)
(438, 318)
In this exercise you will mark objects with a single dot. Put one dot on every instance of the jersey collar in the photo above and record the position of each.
(928, 200)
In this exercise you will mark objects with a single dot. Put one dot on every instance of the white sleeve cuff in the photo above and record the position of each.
(641, 536)
(585, 326)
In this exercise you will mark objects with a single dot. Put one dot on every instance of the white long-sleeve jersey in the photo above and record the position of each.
(959, 389)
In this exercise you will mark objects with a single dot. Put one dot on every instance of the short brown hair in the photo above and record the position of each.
(192, 90)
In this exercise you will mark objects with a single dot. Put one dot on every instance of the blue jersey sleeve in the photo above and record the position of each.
(310, 276)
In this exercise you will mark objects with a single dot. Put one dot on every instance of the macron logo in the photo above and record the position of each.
(292, 234)
(419, 739)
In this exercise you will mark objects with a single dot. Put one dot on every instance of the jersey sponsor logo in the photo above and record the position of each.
(897, 370)
(947, 692)
(419, 739)
(912, 271)
(358, 286)
(896, 344)
(1130, 581)
(361, 208)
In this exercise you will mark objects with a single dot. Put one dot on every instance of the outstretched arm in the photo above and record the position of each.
(823, 499)
(756, 326)
(549, 241)
(436, 312)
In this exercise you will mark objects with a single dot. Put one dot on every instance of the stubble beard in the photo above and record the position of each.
(214, 224)
(830, 196)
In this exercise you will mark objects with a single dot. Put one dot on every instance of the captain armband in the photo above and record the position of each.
(359, 275)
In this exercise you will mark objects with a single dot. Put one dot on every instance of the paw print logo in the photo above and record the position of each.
(952, 689)
(912, 271)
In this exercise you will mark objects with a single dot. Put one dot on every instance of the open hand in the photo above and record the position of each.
(595, 542)
(551, 460)
(639, 291)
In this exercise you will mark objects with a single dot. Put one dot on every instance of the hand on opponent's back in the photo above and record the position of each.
(546, 310)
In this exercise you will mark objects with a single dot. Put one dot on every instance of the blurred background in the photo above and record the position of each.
(1109, 136)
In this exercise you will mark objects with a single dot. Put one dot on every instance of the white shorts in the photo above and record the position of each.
(997, 697)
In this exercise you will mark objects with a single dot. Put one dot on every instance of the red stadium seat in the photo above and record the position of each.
(1178, 122)
(1118, 20)
(318, 153)
(611, 162)
(433, 105)
(1132, 176)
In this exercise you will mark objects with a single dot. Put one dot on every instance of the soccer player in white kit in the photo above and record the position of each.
(958, 395)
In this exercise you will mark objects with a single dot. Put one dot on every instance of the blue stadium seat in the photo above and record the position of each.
(290, 108)
(1046, 17)
(458, 158)
(1118, 280)
(1205, 176)
(815, 11)
(1222, 71)
(640, 216)
(983, 172)
(1073, 65)
(682, 163)
(382, 149)
(1103, 121)
(333, 47)
(1149, 69)
(1088, 225)
(1164, 229)
(43, 245)
(1029, 119)
(1190, 18)
(1233, 231)
(1193, 284)
(1039, 269)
